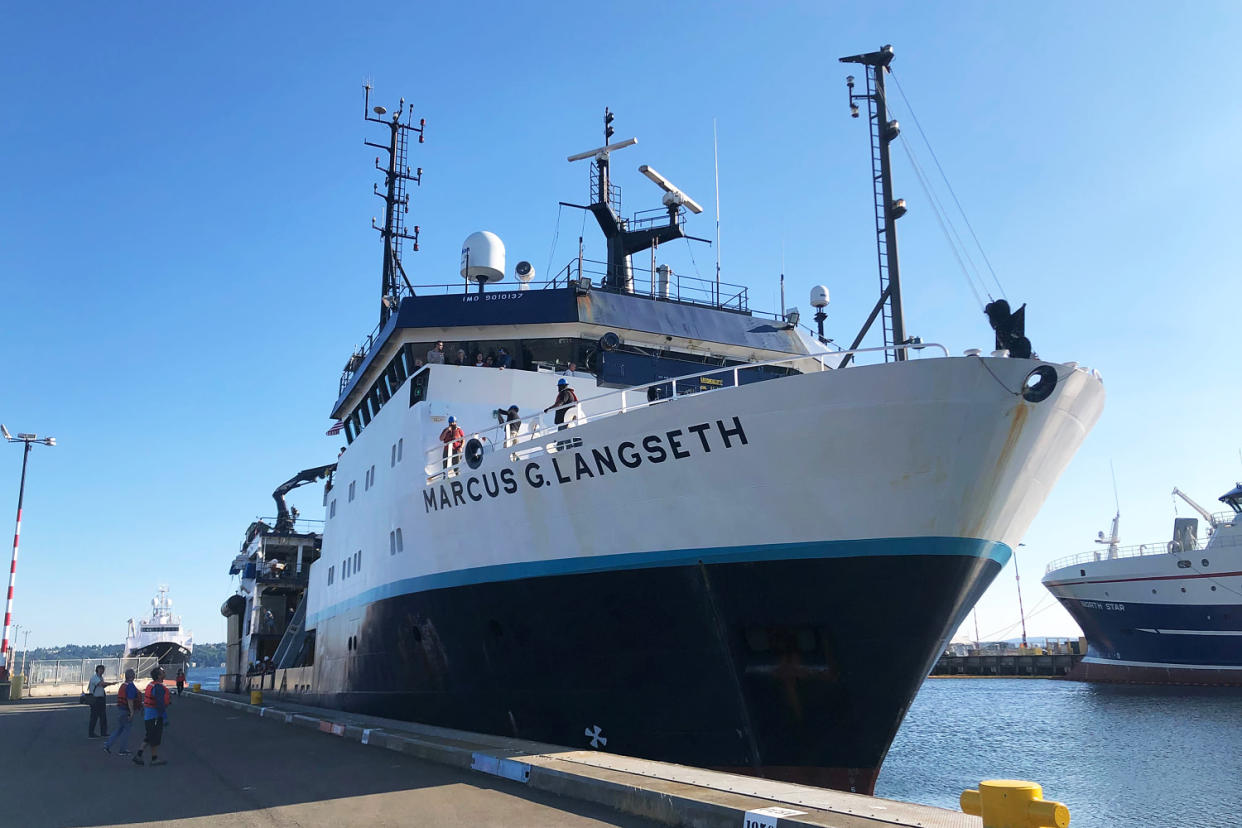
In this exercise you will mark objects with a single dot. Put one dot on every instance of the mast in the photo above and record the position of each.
(887, 209)
(622, 237)
(396, 199)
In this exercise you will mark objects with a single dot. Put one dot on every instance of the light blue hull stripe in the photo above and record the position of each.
(871, 547)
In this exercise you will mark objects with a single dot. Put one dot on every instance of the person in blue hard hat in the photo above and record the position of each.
(452, 437)
(565, 404)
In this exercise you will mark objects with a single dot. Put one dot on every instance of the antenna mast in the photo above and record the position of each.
(396, 199)
(887, 210)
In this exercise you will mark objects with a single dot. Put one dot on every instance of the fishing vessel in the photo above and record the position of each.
(159, 634)
(732, 545)
(1167, 612)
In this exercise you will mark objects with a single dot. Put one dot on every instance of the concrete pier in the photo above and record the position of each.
(235, 764)
(1055, 665)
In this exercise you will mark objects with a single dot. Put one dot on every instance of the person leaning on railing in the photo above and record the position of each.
(452, 437)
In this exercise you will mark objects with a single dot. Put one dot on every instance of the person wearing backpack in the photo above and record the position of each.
(129, 702)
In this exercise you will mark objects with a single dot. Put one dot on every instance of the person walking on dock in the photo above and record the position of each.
(155, 703)
(99, 712)
(129, 704)
(181, 671)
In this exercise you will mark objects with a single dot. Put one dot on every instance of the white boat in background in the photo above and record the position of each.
(160, 634)
(1167, 612)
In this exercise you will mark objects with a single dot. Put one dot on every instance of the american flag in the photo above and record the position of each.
(336, 429)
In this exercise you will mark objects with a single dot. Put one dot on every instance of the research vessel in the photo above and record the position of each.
(731, 546)
(1160, 613)
(160, 634)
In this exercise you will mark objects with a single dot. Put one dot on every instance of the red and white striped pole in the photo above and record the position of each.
(17, 533)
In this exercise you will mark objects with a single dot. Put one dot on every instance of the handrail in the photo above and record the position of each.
(529, 428)
(1171, 547)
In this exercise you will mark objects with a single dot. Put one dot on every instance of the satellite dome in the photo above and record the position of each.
(483, 257)
(819, 296)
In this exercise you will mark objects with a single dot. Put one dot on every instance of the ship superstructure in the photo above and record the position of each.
(159, 634)
(1160, 613)
(737, 548)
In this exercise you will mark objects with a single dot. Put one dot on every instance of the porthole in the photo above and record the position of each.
(1183, 589)
(1082, 572)
(1153, 592)
(1183, 564)
(1213, 589)
(1204, 562)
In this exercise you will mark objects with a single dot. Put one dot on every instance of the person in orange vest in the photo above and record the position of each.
(452, 437)
(129, 700)
(155, 703)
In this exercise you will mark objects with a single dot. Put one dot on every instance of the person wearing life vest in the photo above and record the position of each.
(155, 701)
(452, 437)
(564, 403)
(129, 702)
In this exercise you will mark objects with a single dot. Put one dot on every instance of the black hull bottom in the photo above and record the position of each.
(793, 669)
(167, 652)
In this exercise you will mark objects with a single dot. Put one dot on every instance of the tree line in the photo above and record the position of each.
(206, 654)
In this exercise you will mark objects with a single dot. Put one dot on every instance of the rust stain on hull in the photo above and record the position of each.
(1017, 421)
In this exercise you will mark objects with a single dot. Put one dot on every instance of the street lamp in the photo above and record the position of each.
(27, 440)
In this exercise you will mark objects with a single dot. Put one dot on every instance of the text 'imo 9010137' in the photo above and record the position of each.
(621, 510)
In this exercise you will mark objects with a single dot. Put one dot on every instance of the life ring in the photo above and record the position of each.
(1039, 384)
(474, 452)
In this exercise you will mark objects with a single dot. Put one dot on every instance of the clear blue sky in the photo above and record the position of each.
(186, 257)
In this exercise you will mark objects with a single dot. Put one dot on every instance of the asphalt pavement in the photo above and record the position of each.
(224, 769)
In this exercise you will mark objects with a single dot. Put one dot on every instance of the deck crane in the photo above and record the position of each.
(1190, 502)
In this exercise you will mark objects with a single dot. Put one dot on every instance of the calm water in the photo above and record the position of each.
(1116, 755)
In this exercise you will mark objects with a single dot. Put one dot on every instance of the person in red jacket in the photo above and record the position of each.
(452, 437)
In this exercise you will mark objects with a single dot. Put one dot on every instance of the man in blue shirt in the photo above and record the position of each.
(155, 703)
(129, 704)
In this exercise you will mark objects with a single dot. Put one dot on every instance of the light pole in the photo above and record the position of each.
(25, 649)
(27, 440)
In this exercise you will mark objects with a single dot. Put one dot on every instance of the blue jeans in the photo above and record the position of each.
(121, 734)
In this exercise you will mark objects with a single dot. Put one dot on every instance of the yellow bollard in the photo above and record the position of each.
(1011, 803)
(196, 687)
(256, 697)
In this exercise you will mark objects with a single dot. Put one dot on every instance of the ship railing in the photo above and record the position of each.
(535, 436)
(1171, 547)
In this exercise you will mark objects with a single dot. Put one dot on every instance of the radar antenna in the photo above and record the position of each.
(396, 199)
(623, 237)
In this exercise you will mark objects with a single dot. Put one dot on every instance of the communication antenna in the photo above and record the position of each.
(716, 162)
(887, 209)
(396, 199)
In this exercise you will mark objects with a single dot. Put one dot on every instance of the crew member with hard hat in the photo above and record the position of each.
(452, 437)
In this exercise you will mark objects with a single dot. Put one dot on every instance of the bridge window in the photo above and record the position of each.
(332, 509)
(352, 485)
(331, 574)
(400, 542)
(358, 560)
(400, 448)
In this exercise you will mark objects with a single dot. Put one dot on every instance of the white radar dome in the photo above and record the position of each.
(819, 296)
(483, 257)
